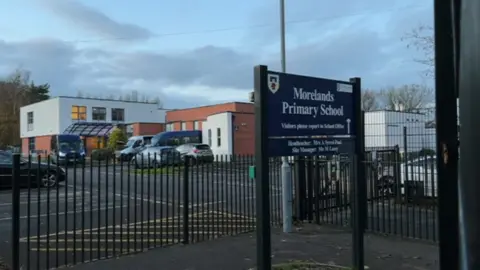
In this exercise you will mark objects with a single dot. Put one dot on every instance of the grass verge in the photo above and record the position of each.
(307, 265)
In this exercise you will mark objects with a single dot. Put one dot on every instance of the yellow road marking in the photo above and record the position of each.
(168, 222)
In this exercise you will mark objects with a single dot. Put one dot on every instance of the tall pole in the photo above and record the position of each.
(447, 136)
(282, 36)
(286, 169)
(469, 187)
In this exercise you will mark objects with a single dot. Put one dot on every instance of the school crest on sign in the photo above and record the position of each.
(273, 82)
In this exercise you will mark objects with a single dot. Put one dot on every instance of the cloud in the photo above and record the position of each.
(94, 20)
(212, 74)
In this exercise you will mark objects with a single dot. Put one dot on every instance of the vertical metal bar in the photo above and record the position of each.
(83, 209)
(435, 200)
(162, 198)
(155, 195)
(264, 261)
(300, 187)
(243, 194)
(179, 191)
(99, 202)
(359, 179)
(217, 195)
(236, 182)
(203, 198)
(142, 201)
(446, 122)
(185, 201)
(38, 182)
(231, 183)
(318, 188)
(149, 200)
(114, 206)
(191, 206)
(223, 193)
(121, 205)
(91, 212)
(167, 196)
(309, 189)
(29, 210)
(210, 192)
(106, 206)
(47, 259)
(129, 199)
(16, 212)
(135, 204)
(57, 218)
(74, 254)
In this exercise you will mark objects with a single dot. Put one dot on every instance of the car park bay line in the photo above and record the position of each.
(136, 198)
(172, 218)
(68, 212)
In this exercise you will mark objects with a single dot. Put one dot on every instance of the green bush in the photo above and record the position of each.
(102, 154)
(116, 138)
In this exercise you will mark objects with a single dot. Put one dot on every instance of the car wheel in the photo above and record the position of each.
(49, 179)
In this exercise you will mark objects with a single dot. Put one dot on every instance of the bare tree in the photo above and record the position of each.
(406, 98)
(421, 38)
(369, 100)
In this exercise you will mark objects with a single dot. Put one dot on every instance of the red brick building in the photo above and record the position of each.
(227, 127)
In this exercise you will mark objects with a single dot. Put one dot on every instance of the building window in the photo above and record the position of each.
(184, 126)
(210, 137)
(31, 144)
(99, 114)
(219, 137)
(118, 114)
(79, 112)
(29, 121)
(196, 125)
(169, 127)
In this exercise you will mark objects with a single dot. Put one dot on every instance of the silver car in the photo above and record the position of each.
(199, 152)
(157, 156)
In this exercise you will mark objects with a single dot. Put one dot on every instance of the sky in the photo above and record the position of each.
(191, 53)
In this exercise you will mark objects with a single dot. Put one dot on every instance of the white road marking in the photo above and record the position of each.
(66, 213)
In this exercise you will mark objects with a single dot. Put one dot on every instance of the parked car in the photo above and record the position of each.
(37, 173)
(157, 157)
(133, 146)
(420, 174)
(198, 152)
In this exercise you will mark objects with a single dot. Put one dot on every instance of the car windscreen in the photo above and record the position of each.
(65, 145)
(130, 143)
(202, 147)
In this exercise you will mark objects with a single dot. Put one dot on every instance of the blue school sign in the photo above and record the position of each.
(304, 112)
(307, 106)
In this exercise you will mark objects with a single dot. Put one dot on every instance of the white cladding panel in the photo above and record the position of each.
(45, 119)
(217, 132)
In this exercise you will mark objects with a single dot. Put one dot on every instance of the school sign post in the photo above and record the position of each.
(304, 116)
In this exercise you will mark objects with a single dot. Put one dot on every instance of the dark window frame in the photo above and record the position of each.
(99, 111)
(30, 120)
(116, 113)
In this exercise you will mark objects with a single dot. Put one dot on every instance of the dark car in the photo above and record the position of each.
(39, 174)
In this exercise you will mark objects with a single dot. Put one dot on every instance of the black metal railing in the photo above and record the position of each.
(90, 210)
(401, 194)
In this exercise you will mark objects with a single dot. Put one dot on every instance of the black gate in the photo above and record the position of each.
(323, 186)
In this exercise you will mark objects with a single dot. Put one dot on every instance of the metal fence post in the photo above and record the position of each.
(16, 212)
(185, 200)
